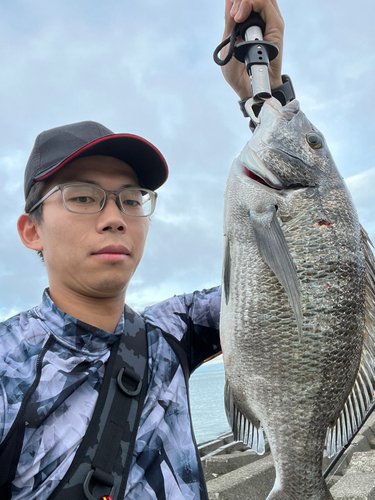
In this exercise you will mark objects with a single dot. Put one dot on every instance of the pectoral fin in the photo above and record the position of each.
(274, 250)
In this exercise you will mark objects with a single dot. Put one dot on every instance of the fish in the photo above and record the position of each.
(298, 294)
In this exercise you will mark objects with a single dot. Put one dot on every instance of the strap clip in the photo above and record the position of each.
(100, 477)
(133, 380)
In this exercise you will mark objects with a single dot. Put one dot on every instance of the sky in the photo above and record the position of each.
(146, 68)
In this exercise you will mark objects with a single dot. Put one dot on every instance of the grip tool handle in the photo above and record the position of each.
(256, 54)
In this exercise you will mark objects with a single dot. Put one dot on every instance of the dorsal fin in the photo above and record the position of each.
(362, 394)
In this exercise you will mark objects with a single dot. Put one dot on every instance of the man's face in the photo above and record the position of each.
(73, 243)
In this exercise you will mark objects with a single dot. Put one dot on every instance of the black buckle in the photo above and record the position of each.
(101, 477)
(132, 378)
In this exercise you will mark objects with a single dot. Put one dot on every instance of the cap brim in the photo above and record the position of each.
(142, 156)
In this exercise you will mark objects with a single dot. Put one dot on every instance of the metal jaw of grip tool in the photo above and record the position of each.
(256, 54)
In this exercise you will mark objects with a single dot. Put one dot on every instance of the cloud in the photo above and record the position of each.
(146, 68)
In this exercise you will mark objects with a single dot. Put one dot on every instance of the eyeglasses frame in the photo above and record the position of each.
(153, 198)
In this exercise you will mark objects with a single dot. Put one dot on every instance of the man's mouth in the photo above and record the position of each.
(112, 253)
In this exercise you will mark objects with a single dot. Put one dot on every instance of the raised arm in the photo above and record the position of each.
(193, 320)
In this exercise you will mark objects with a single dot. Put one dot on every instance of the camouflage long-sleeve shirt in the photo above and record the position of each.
(165, 461)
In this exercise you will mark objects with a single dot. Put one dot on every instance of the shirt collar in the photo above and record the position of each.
(74, 332)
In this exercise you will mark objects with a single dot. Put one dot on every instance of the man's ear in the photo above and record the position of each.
(28, 231)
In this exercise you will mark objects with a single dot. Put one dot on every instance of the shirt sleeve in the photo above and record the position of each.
(193, 320)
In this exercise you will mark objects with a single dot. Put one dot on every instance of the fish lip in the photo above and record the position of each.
(260, 173)
(257, 178)
(119, 249)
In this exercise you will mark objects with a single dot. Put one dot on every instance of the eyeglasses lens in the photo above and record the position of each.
(136, 202)
(84, 199)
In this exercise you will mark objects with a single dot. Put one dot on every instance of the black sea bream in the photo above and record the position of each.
(298, 294)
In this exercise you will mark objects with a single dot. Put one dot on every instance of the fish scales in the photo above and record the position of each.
(289, 379)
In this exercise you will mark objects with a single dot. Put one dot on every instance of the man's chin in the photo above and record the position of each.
(107, 288)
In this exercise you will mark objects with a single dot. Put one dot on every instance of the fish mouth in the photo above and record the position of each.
(258, 172)
(257, 178)
(255, 169)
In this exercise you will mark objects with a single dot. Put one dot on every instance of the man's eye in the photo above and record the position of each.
(83, 199)
(131, 203)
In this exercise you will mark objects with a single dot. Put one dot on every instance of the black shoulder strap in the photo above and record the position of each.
(102, 462)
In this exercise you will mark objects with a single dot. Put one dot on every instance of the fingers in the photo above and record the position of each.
(235, 8)
(268, 9)
(239, 11)
(229, 21)
(228, 7)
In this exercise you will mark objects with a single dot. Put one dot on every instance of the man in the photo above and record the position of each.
(89, 194)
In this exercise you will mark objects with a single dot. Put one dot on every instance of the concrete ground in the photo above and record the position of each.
(233, 472)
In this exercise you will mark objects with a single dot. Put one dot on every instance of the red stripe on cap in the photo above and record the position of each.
(97, 141)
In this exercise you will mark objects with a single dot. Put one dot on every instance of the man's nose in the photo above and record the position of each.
(111, 218)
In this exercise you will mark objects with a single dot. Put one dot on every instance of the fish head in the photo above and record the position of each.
(287, 151)
(286, 164)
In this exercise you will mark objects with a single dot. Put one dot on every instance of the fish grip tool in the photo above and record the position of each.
(256, 54)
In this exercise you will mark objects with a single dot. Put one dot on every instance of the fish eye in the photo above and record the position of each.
(314, 140)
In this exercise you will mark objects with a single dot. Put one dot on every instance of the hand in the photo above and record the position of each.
(237, 11)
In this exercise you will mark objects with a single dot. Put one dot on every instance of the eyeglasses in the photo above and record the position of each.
(81, 198)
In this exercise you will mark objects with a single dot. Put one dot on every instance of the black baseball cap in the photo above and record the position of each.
(55, 148)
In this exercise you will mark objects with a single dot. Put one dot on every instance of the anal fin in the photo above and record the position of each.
(248, 431)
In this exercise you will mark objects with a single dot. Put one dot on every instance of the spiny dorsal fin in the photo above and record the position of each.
(362, 394)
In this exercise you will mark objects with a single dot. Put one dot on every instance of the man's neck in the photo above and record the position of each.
(103, 313)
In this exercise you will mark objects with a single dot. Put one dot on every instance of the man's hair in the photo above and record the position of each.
(37, 192)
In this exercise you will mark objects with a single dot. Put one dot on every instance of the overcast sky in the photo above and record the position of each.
(146, 68)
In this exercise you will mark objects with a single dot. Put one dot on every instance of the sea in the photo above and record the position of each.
(207, 402)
